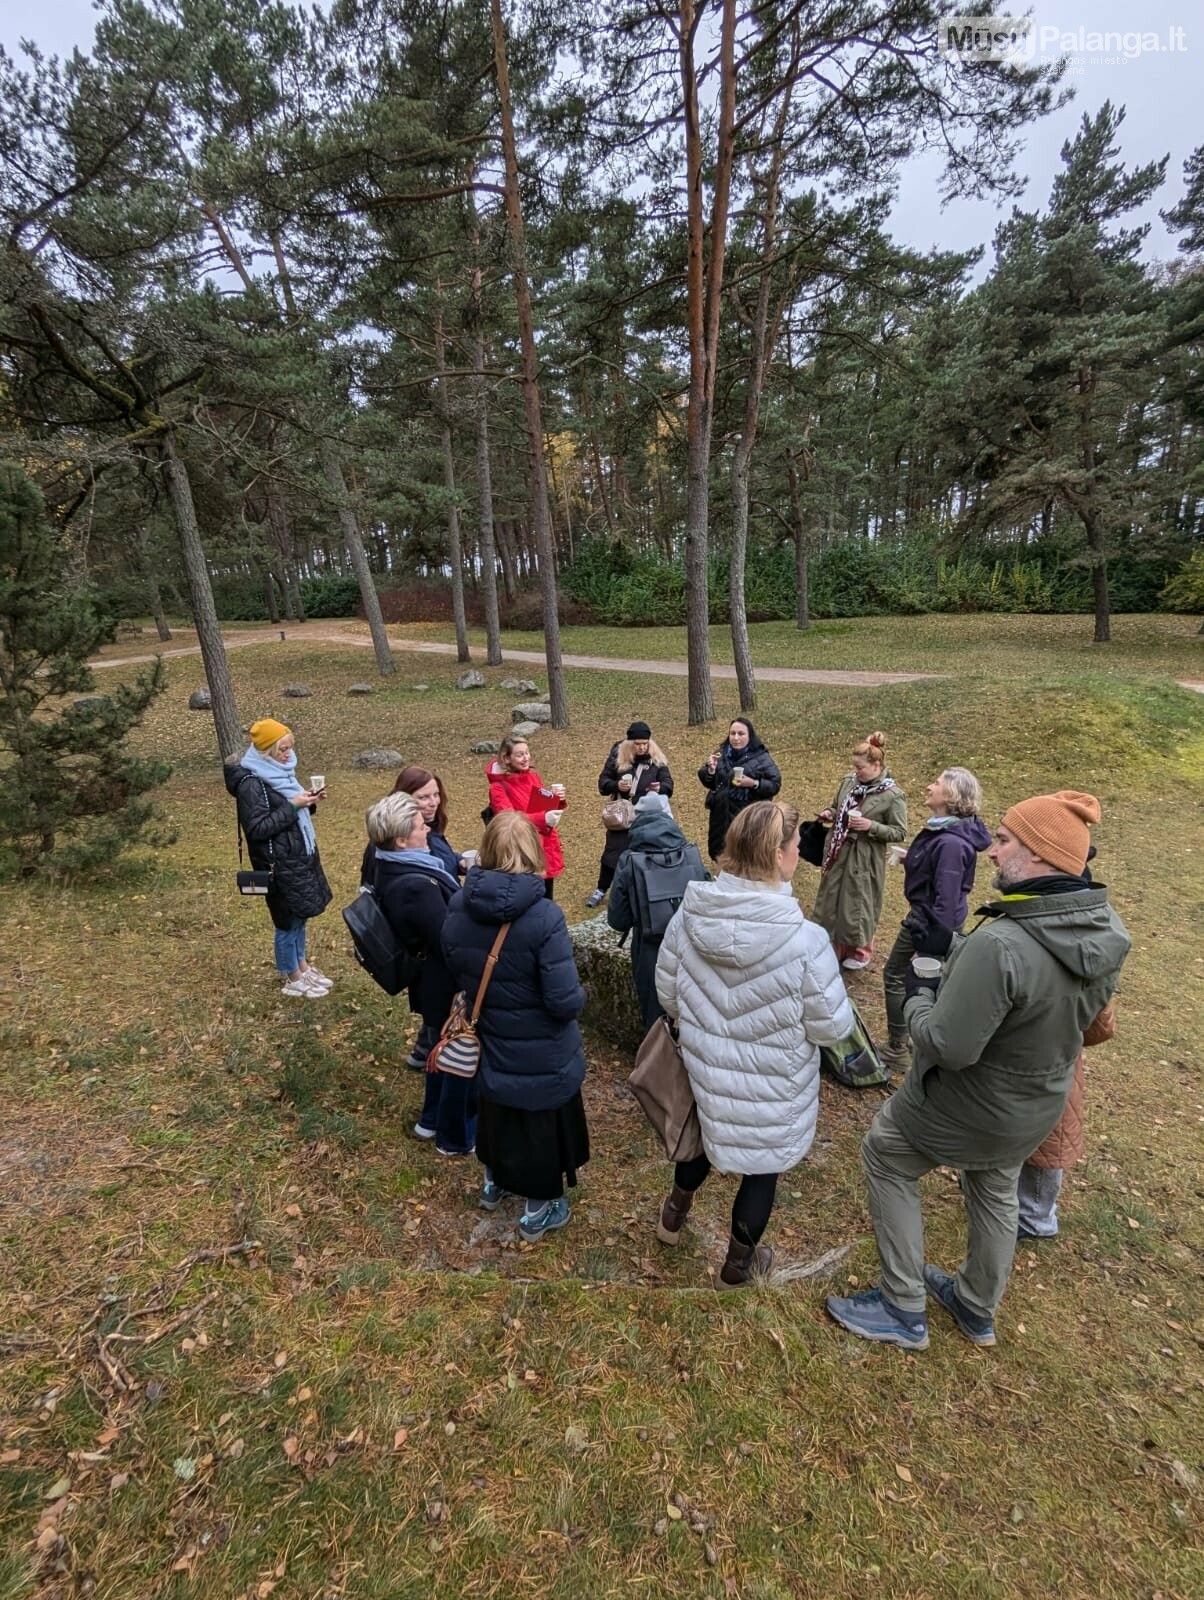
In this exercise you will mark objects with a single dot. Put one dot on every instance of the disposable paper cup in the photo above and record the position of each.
(926, 966)
(896, 855)
(469, 857)
(317, 782)
(737, 773)
(558, 790)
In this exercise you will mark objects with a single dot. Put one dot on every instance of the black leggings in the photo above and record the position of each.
(606, 876)
(753, 1202)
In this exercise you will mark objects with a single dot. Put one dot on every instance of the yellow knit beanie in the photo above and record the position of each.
(1054, 827)
(266, 733)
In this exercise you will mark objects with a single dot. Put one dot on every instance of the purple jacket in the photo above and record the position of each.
(939, 872)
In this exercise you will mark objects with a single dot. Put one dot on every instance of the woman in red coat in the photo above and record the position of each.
(514, 785)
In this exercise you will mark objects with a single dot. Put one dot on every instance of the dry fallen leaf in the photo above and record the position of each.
(400, 1437)
(7, 1457)
(903, 1472)
(293, 1211)
(673, 1512)
(58, 1489)
(281, 1358)
(291, 1445)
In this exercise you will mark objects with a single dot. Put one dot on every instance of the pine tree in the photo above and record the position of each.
(73, 795)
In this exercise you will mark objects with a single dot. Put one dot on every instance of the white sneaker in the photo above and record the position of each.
(299, 988)
(318, 986)
(315, 976)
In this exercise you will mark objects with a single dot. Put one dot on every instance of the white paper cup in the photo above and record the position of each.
(926, 966)
(558, 790)
(469, 858)
(317, 782)
(737, 774)
(896, 854)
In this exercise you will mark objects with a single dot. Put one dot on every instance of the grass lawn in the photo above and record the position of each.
(256, 1341)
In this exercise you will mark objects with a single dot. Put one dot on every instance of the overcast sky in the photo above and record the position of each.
(1162, 94)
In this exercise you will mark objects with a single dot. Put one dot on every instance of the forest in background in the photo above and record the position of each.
(594, 302)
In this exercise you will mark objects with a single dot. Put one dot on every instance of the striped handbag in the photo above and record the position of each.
(458, 1052)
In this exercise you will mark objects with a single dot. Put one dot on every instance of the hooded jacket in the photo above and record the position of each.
(995, 1048)
(651, 831)
(755, 990)
(938, 878)
(526, 792)
(724, 800)
(275, 844)
(531, 1052)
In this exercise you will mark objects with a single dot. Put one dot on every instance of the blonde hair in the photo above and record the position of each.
(751, 847)
(872, 748)
(391, 819)
(507, 748)
(511, 844)
(962, 791)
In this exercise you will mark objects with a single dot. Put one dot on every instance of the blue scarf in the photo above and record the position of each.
(418, 858)
(937, 823)
(282, 776)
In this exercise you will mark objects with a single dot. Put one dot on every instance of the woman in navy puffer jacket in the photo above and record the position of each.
(531, 1129)
(940, 865)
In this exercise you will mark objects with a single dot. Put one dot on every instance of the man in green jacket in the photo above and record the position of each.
(996, 1037)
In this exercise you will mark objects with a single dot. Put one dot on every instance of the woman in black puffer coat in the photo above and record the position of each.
(728, 795)
(414, 888)
(531, 1129)
(275, 815)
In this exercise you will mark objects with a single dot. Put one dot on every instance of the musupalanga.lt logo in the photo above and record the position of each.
(979, 37)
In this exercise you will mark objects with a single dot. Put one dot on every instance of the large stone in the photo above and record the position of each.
(370, 760)
(362, 688)
(471, 680)
(200, 700)
(519, 685)
(612, 1010)
(524, 730)
(296, 691)
(532, 711)
(484, 747)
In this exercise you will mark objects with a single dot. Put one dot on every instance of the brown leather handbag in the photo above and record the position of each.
(661, 1084)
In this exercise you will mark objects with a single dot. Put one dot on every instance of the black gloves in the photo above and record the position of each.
(913, 984)
(934, 941)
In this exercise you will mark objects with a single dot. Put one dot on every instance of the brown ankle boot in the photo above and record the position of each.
(673, 1215)
(744, 1263)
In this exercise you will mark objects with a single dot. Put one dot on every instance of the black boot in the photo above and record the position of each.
(744, 1263)
(673, 1215)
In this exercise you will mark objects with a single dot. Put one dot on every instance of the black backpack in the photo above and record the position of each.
(658, 882)
(377, 948)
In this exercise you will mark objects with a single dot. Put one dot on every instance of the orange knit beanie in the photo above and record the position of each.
(267, 732)
(1054, 827)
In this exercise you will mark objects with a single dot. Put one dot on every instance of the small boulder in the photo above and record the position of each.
(612, 1011)
(532, 711)
(519, 685)
(471, 680)
(371, 760)
(484, 747)
(524, 730)
(90, 700)
(362, 688)
(200, 700)
(296, 691)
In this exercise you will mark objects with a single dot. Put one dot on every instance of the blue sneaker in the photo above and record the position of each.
(492, 1195)
(871, 1316)
(979, 1330)
(532, 1225)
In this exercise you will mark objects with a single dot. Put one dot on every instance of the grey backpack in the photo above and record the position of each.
(658, 881)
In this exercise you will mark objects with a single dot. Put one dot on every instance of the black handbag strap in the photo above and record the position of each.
(238, 828)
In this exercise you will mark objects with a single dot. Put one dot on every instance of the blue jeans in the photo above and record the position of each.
(290, 948)
(450, 1108)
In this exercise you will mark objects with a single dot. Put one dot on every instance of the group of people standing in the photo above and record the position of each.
(992, 1024)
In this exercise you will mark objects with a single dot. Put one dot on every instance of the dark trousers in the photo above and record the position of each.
(753, 1202)
(606, 876)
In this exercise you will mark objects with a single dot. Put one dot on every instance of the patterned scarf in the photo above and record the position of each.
(840, 828)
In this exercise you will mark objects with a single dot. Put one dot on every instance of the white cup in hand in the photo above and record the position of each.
(558, 790)
(625, 784)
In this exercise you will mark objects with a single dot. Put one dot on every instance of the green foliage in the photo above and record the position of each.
(1185, 591)
(73, 796)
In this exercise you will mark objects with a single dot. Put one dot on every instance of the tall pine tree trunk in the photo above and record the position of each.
(332, 469)
(226, 720)
(455, 550)
(493, 630)
(282, 538)
(505, 550)
(541, 517)
(704, 286)
(802, 602)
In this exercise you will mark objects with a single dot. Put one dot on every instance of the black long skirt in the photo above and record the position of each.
(533, 1153)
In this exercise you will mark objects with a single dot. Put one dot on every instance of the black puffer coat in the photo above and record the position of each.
(725, 802)
(622, 762)
(532, 1057)
(415, 901)
(276, 844)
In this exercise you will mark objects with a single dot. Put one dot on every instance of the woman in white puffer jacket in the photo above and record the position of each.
(754, 989)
